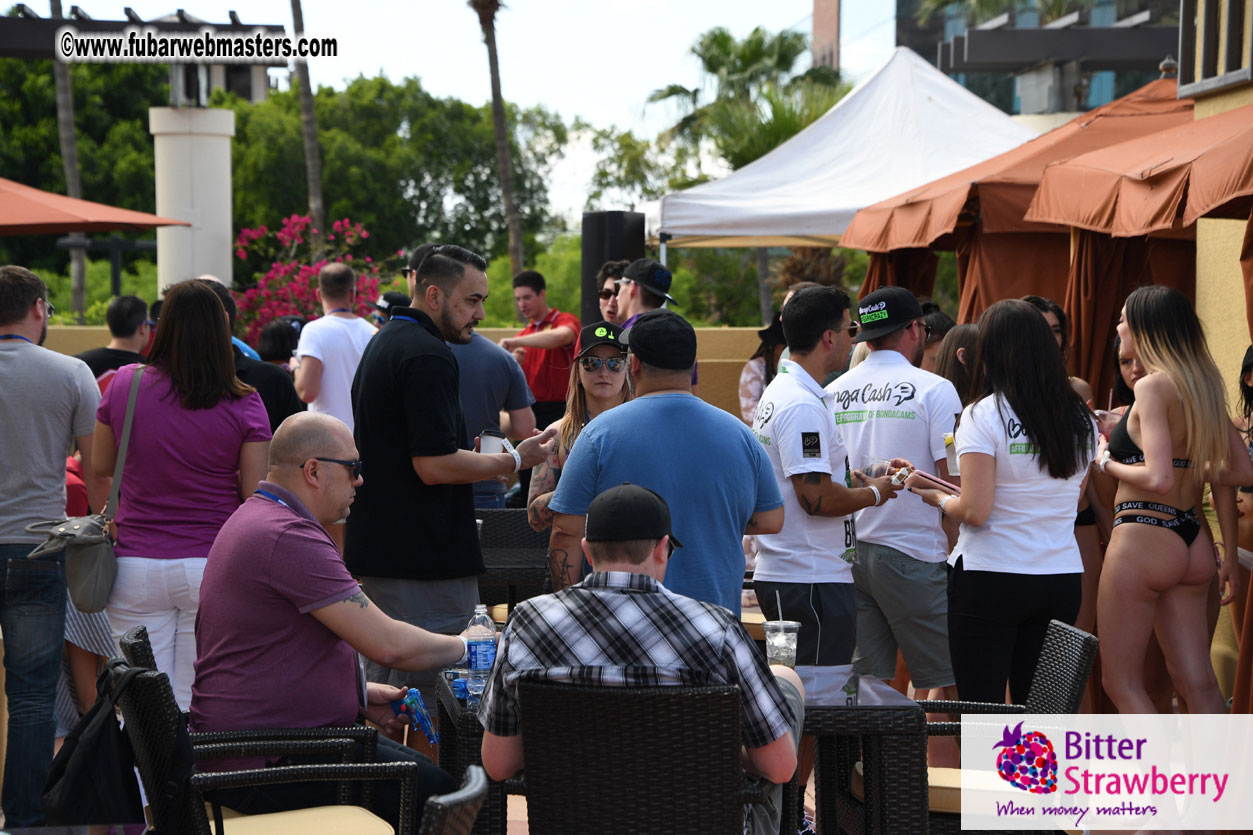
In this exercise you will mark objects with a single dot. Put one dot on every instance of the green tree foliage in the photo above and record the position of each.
(115, 153)
(743, 129)
(139, 279)
(409, 166)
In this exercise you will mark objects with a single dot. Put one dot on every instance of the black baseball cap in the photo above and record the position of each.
(663, 339)
(392, 299)
(650, 275)
(886, 310)
(601, 333)
(628, 512)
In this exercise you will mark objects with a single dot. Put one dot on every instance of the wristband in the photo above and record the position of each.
(877, 496)
(465, 655)
(517, 458)
(940, 504)
(1103, 460)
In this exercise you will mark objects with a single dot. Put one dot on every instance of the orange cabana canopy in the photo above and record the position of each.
(998, 191)
(28, 211)
(1161, 182)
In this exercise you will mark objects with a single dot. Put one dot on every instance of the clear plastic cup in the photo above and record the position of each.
(781, 641)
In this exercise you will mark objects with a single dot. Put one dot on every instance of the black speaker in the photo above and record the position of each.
(607, 236)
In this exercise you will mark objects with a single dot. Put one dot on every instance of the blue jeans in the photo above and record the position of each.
(32, 615)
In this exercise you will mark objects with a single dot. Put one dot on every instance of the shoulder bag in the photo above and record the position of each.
(90, 564)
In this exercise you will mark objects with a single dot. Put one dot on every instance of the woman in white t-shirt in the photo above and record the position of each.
(1025, 445)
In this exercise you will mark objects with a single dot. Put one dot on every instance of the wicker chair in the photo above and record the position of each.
(516, 557)
(1061, 674)
(164, 758)
(649, 760)
(1057, 687)
(454, 813)
(357, 743)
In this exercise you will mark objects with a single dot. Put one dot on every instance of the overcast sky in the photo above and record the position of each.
(595, 59)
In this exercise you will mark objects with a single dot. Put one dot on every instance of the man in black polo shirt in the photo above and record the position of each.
(275, 386)
(412, 541)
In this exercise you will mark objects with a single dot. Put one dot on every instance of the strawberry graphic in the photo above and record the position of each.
(1027, 761)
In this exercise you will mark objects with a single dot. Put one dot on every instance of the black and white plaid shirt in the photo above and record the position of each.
(627, 630)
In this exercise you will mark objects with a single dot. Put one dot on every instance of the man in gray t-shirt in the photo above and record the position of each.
(492, 382)
(49, 401)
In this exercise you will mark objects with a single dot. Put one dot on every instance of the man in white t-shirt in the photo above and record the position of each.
(804, 572)
(886, 409)
(330, 347)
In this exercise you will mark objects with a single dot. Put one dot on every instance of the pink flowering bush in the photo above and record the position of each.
(280, 265)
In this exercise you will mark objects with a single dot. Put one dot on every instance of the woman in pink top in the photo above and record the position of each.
(198, 448)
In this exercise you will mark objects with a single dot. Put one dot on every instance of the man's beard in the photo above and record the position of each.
(630, 382)
(43, 335)
(450, 330)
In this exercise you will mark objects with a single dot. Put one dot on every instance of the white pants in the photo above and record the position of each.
(162, 595)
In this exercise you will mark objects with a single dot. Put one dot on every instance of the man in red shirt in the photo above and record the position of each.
(545, 349)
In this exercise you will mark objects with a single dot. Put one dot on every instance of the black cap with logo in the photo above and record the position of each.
(628, 512)
(650, 275)
(600, 333)
(886, 310)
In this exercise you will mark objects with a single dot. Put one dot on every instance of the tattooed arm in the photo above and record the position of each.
(565, 550)
(543, 483)
(819, 495)
(386, 641)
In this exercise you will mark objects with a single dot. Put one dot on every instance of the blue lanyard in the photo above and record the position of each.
(341, 310)
(407, 319)
(15, 336)
(266, 494)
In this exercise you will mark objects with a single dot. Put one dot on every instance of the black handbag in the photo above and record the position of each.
(90, 564)
(92, 777)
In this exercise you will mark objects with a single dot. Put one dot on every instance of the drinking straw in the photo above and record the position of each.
(778, 601)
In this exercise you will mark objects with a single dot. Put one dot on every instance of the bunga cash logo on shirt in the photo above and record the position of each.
(871, 393)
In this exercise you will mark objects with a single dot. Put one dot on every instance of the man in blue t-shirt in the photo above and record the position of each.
(492, 382)
(702, 460)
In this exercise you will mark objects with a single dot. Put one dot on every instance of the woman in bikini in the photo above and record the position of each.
(1160, 561)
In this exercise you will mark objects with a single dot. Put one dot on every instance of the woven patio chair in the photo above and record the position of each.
(454, 813)
(174, 788)
(648, 760)
(516, 557)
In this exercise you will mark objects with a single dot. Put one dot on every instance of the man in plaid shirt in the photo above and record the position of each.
(621, 627)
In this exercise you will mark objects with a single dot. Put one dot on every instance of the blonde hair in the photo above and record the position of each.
(1169, 338)
(575, 418)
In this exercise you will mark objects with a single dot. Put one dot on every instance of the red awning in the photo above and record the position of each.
(1160, 182)
(29, 211)
(997, 192)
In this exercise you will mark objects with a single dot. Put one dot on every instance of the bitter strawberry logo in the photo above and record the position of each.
(1027, 761)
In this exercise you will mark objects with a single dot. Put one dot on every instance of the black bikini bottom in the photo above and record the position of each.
(1183, 522)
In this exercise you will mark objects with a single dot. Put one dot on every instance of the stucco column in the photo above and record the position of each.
(193, 167)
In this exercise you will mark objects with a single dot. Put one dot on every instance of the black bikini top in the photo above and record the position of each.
(1125, 451)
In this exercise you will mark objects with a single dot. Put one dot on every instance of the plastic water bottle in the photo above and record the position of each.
(481, 635)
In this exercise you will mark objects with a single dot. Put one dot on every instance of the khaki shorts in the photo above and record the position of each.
(901, 603)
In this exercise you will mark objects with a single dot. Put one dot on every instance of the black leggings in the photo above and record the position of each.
(996, 626)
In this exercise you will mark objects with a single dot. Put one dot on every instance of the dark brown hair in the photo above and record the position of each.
(950, 367)
(1016, 358)
(193, 347)
(19, 289)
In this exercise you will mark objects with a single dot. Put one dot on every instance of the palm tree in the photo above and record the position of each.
(309, 132)
(758, 104)
(486, 10)
(69, 160)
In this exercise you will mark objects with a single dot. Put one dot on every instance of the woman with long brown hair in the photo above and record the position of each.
(597, 384)
(1025, 443)
(1159, 565)
(198, 447)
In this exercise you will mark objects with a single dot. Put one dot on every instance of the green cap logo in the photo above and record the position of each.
(603, 332)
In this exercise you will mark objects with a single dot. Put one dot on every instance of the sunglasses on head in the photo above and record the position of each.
(593, 364)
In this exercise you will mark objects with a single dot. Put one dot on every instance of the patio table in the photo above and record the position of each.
(460, 745)
(885, 731)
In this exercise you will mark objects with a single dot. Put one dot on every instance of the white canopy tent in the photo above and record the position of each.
(904, 125)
